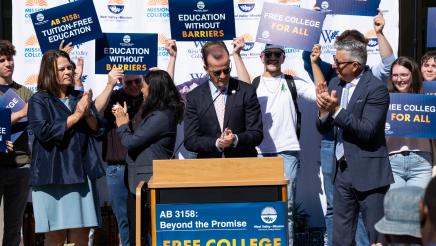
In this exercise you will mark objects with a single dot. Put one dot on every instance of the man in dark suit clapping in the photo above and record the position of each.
(223, 117)
(356, 108)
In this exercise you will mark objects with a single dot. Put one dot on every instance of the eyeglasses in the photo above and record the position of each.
(136, 81)
(269, 54)
(338, 63)
(226, 71)
(402, 76)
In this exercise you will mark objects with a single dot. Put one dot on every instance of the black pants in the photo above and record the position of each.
(348, 202)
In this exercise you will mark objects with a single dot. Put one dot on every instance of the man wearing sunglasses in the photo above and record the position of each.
(277, 94)
(355, 106)
(222, 116)
(114, 153)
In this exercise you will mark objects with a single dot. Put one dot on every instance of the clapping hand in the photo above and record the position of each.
(120, 113)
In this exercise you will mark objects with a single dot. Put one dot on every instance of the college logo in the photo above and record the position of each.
(325, 6)
(329, 36)
(388, 129)
(246, 5)
(32, 3)
(39, 17)
(265, 34)
(249, 42)
(116, 6)
(127, 41)
(31, 48)
(268, 215)
(161, 43)
(33, 6)
(201, 7)
(31, 81)
(157, 9)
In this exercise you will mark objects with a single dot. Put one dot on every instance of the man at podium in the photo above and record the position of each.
(223, 117)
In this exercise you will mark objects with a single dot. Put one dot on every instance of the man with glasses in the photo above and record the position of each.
(222, 116)
(356, 108)
(114, 153)
(277, 94)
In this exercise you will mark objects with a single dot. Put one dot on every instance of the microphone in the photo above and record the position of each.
(199, 118)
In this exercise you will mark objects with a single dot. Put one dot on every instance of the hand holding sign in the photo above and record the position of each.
(115, 76)
(379, 22)
(238, 44)
(67, 48)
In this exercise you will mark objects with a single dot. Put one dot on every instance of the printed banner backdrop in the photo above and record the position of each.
(289, 26)
(5, 128)
(152, 16)
(193, 20)
(431, 28)
(349, 7)
(134, 53)
(12, 101)
(75, 22)
(254, 223)
(411, 116)
(429, 87)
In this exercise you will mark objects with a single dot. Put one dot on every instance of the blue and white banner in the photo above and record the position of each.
(5, 128)
(10, 100)
(411, 116)
(431, 27)
(429, 87)
(74, 22)
(349, 7)
(257, 223)
(289, 26)
(193, 20)
(134, 53)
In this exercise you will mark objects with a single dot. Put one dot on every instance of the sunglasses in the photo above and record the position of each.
(136, 81)
(269, 54)
(226, 71)
(338, 63)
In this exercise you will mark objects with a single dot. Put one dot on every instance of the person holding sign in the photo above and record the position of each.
(223, 117)
(428, 66)
(14, 165)
(356, 108)
(150, 135)
(65, 161)
(410, 158)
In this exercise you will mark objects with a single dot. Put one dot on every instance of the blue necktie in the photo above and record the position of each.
(339, 140)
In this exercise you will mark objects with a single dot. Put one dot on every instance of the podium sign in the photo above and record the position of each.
(257, 223)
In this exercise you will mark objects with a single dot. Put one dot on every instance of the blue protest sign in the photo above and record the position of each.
(74, 22)
(5, 128)
(193, 20)
(429, 87)
(431, 27)
(411, 115)
(10, 100)
(134, 53)
(289, 26)
(349, 7)
(257, 223)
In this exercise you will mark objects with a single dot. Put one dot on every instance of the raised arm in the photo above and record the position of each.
(241, 70)
(171, 48)
(102, 100)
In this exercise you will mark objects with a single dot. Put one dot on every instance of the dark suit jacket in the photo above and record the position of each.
(60, 156)
(153, 139)
(242, 115)
(363, 124)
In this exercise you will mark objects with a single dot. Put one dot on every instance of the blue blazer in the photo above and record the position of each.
(153, 139)
(60, 156)
(242, 115)
(363, 124)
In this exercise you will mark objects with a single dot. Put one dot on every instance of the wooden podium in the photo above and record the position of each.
(210, 181)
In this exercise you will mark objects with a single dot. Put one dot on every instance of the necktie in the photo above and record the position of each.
(220, 106)
(339, 140)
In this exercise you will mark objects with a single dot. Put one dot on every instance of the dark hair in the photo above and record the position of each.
(413, 67)
(427, 56)
(208, 47)
(162, 94)
(47, 78)
(7, 48)
(352, 35)
(430, 200)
